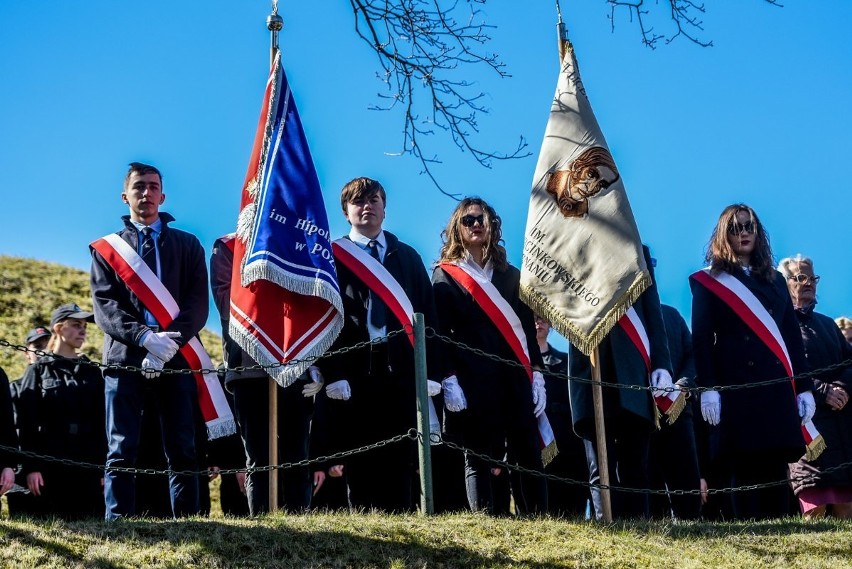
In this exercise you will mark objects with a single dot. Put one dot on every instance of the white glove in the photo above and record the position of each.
(539, 393)
(433, 388)
(314, 386)
(153, 363)
(161, 345)
(454, 399)
(661, 381)
(339, 390)
(711, 407)
(807, 406)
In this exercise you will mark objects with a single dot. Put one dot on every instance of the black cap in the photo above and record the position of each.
(37, 334)
(67, 311)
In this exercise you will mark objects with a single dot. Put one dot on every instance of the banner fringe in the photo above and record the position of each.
(264, 270)
(586, 343)
(549, 452)
(815, 449)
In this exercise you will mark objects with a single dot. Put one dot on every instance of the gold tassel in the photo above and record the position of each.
(677, 407)
(816, 448)
(548, 453)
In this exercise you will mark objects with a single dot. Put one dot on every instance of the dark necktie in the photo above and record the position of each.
(149, 250)
(377, 307)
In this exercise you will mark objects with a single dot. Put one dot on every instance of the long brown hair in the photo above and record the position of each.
(453, 248)
(720, 255)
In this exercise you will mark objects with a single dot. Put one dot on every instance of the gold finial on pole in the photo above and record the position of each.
(274, 23)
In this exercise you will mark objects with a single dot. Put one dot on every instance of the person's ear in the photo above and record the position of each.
(162, 198)
(124, 197)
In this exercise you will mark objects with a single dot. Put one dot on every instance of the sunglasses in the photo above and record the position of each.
(470, 220)
(802, 278)
(738, 228)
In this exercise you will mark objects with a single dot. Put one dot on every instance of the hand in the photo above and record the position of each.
(454, 399)
(836, 398)
(152, 363)
(35, 482)
(336, 471)
(319, 478)
(807, 406)
(241, 480)
(7, 480)
(539, 393)
(213, 472)
(314, 386)
(433, 388)
(711, 407)
(703, 488)
(661, 381)
(162, 345)
(339, 390)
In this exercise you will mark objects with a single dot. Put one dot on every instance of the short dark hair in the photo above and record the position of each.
(141, 169)
(361, 188)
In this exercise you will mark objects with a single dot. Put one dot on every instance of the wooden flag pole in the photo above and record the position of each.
(274, 23)
(600, 432)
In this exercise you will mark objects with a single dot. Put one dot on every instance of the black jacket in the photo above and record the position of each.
(8, 436)
(60, 409)
(680, 350)
(120, 313)
(622, 363)
(825, 346)
(756, 420)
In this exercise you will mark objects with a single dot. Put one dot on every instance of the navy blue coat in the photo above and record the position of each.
(120, 313)
(755, 421)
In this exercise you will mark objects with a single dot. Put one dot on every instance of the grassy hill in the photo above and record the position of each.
(30, 290)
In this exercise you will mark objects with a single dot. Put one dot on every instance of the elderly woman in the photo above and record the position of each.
(744, 331)
(819, 492)
(492, 405)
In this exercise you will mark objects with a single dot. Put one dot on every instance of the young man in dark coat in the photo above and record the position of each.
(373, 386)
(133, 338)
(629, 413)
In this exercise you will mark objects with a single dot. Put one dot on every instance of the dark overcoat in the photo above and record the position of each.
(760, 420)
(825, 346)
(622, 363)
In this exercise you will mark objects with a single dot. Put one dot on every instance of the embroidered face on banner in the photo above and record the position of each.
(592, 171)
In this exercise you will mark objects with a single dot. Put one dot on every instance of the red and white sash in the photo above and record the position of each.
(752, 312)
(379, 280)
(486, 295)
(139, 278)
(670, 403)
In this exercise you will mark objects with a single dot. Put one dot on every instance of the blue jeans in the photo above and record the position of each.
(175, 397)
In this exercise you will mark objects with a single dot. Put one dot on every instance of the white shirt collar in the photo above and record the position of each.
(487, 271)
(364, 241)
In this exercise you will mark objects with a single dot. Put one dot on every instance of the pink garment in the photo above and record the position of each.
(811, 498)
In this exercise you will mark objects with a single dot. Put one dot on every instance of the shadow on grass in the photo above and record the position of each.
(217, 543)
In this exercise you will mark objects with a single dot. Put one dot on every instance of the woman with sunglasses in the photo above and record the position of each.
(60, 408)
(744, 331)
(821, 492)
(492, 404)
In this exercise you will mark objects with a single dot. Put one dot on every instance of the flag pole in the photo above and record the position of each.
(274, 23)
(600, 432)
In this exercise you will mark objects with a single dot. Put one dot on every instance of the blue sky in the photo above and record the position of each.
(762, 117)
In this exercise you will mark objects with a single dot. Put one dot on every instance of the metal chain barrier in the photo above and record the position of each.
(411, 434)
(431, 333)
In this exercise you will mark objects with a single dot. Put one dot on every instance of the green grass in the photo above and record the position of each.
(30, 290)
(462, 540)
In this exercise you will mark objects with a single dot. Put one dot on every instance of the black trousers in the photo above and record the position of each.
(673, 465)
(251, 407)
(627, 441)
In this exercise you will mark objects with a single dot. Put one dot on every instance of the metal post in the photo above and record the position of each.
(274, 23)
(600, 431)
(427, 501)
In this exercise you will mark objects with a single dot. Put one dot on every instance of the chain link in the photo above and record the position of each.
(431, 333)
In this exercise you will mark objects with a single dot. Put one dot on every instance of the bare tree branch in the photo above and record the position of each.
(684, 14)
(424, 48)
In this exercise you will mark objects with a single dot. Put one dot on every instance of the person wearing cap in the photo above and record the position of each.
(133, 337)
(37, 339)
(60, 412)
